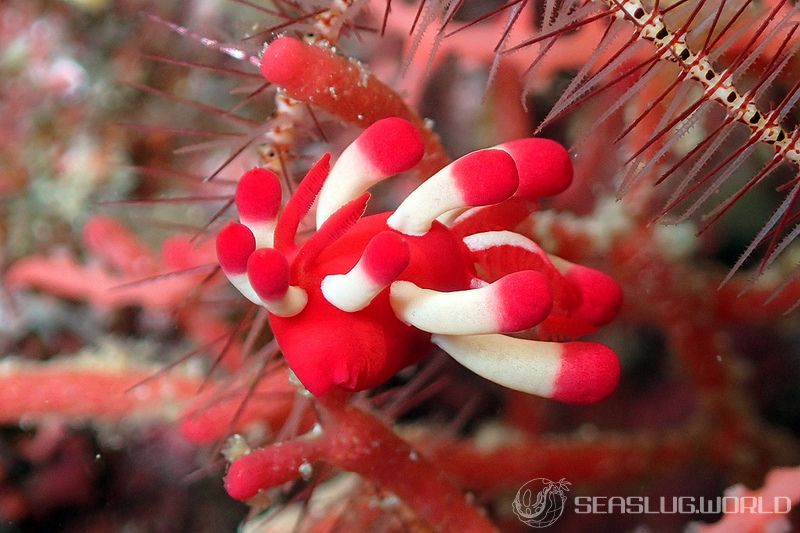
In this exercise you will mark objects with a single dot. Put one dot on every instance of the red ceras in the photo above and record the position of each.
(365, 296)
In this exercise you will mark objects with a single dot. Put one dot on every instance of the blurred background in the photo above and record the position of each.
(109, 121)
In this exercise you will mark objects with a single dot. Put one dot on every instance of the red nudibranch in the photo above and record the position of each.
(366, 296)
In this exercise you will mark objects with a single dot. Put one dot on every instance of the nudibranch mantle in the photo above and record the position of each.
(366, 296)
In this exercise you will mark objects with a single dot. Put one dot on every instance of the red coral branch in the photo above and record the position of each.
(110, 390)
(343, 88)
(604, 458)
(209, 418)
(124, 261)
(354, 440)
(33, 391)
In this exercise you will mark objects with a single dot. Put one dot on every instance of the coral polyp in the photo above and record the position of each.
(365, 296)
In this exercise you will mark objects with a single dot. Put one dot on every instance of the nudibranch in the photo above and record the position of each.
(366, 296)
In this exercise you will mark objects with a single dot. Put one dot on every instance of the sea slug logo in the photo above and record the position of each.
(540, 502)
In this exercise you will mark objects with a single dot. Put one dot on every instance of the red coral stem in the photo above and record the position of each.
(343, 88)
(40, 390)
(354, 440)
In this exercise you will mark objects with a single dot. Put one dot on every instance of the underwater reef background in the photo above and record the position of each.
(127, 361)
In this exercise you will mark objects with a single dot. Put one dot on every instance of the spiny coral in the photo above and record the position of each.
(711, 70)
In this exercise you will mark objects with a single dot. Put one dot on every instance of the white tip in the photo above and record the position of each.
(268, 274)
(484, 177)
(350, 176)
(258, 200)
(384, 259)
(449, 218)
(242, 284)
(264, 232)
(350, 292)
(572, 372)
(433, 198)
(524, 365)
(479, 242)
(387, 147)
(292, 303)
(513, 303)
